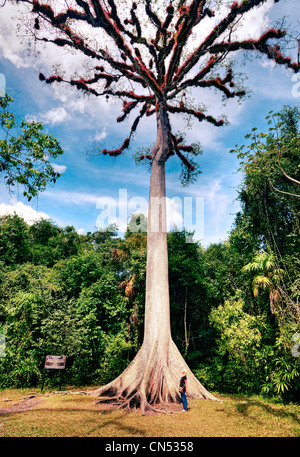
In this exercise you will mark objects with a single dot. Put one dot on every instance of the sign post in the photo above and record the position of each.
(54, 362)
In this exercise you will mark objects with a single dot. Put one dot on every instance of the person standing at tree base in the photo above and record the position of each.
(183, 389)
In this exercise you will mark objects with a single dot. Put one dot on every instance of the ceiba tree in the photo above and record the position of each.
(148, 55)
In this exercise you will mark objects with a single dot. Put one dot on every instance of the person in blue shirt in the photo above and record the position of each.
(183, 390)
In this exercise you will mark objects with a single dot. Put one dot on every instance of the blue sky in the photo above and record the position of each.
(77, 122)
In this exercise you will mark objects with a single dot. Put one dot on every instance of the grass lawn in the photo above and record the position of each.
(75, 415)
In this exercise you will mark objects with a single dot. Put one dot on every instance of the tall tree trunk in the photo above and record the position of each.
(154, 374)
(186, 333)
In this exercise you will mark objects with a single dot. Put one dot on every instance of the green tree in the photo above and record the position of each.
(189, 307)
(98, 237)
(79, 272)
(237, 330)
(26, 153)
(270, 191)
(42, 243)
(268, 276)
(29, 296)
(42, 230)
(14, 240)
(235, 363)
(130, 254)
(106, 312)
(222, 263)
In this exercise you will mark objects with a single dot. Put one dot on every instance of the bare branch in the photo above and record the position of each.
(279, 162)
(177, 148)
(281, 191)
(188, 18)
(198, 114)
(260, 45)
(208, 45)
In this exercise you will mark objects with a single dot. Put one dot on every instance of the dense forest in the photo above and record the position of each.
(235, 309)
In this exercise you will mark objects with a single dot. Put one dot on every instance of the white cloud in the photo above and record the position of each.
(31, 118)
(55, 116)
(174, 212)
(212, 207)
(268, 64)
(14, 42)
(10, 47)
(101, 135)
(252, 24)
(273, 82)
(255, 22)
(58, 168)
(26, 212)
(52, 117)
(71, 198)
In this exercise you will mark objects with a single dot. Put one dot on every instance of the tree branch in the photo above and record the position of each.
(198, 114)
(260, 45)
(176, 147)
(282, 170)
(281, 191)
(208, 44)
(188, 18)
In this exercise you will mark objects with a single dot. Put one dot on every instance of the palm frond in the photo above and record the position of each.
(262, 281)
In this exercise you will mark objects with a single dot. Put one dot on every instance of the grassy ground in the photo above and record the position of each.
(75, 415)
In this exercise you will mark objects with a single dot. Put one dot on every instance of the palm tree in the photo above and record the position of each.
(268, 276)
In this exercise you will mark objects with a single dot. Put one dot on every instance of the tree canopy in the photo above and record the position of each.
(144, 53)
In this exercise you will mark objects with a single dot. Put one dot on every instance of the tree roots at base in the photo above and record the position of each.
(151, 382)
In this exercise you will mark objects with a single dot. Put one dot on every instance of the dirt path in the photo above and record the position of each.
(24, 404)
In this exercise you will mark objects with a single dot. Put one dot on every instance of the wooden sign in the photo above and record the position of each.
(55, 362)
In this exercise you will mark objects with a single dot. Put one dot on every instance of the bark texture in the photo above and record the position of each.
(153, 376)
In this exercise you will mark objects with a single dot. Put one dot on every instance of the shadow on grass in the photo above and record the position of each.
(244, 409)
(100, 420)
(119, 425)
